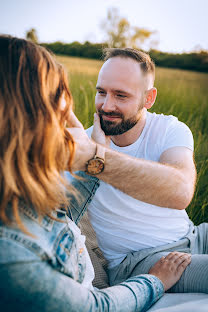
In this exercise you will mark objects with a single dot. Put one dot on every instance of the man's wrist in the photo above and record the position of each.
(96, 164)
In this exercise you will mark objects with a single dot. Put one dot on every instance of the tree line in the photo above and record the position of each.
(196, 61)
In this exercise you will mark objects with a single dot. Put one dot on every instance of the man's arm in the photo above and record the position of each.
(167, 183)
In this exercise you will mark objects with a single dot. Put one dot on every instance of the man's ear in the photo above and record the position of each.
(150, 97)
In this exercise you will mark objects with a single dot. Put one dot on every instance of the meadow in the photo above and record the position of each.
(180, 93)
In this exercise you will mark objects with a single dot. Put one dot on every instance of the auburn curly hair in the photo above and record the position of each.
(35, 148)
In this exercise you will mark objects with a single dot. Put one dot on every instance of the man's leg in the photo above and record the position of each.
(135, 262)
(195, 277)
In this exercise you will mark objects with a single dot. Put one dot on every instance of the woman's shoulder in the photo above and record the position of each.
(17, 247)
(58, 245)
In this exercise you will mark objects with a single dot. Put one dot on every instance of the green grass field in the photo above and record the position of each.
(180, 93)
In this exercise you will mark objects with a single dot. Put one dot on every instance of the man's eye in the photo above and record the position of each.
(122, 96)
(101, 92)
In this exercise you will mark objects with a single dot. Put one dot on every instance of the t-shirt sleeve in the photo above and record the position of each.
(178, 134)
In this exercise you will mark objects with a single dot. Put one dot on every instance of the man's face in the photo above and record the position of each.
(120, 95)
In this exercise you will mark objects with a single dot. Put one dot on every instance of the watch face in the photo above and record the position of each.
(95, 166)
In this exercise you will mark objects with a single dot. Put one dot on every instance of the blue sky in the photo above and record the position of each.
(182, 24)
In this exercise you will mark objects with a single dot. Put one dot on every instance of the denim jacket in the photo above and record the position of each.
(45, 272)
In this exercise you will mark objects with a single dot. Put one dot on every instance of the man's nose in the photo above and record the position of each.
(108, 104)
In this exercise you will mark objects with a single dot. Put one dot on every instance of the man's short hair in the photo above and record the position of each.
(145, 61)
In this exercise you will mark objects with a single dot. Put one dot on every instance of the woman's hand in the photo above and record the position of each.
(84, 147)
(170, 268)
(97, 134)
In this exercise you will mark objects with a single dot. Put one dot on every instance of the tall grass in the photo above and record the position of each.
(180, 93)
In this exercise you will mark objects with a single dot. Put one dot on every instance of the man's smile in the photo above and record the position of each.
(110, 118)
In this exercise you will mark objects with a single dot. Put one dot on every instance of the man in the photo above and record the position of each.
(138, 212)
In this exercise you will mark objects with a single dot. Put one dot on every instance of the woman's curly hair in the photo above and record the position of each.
(35, 148)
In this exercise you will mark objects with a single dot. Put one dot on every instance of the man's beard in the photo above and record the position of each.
(112, 128)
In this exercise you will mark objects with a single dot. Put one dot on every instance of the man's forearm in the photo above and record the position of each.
(148, 181)
(169, 183)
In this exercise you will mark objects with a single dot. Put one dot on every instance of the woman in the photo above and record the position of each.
(44, 265)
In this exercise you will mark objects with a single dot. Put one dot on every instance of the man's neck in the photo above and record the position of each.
(130, 136)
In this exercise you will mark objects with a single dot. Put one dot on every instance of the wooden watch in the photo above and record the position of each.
(96, 164)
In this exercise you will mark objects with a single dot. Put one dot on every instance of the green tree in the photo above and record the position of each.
(31, 35)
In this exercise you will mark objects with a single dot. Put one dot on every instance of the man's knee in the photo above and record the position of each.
(194, 278)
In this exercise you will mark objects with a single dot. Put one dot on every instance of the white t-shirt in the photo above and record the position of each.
(124, 224)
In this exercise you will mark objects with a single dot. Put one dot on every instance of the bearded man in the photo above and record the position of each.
(138, 212)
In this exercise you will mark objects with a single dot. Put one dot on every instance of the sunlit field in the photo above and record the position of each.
(180, 93)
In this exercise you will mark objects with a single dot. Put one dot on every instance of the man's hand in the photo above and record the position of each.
(97, 134)
(84, 147)
(170, 268)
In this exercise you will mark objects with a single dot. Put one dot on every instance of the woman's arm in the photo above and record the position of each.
(38, 287)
